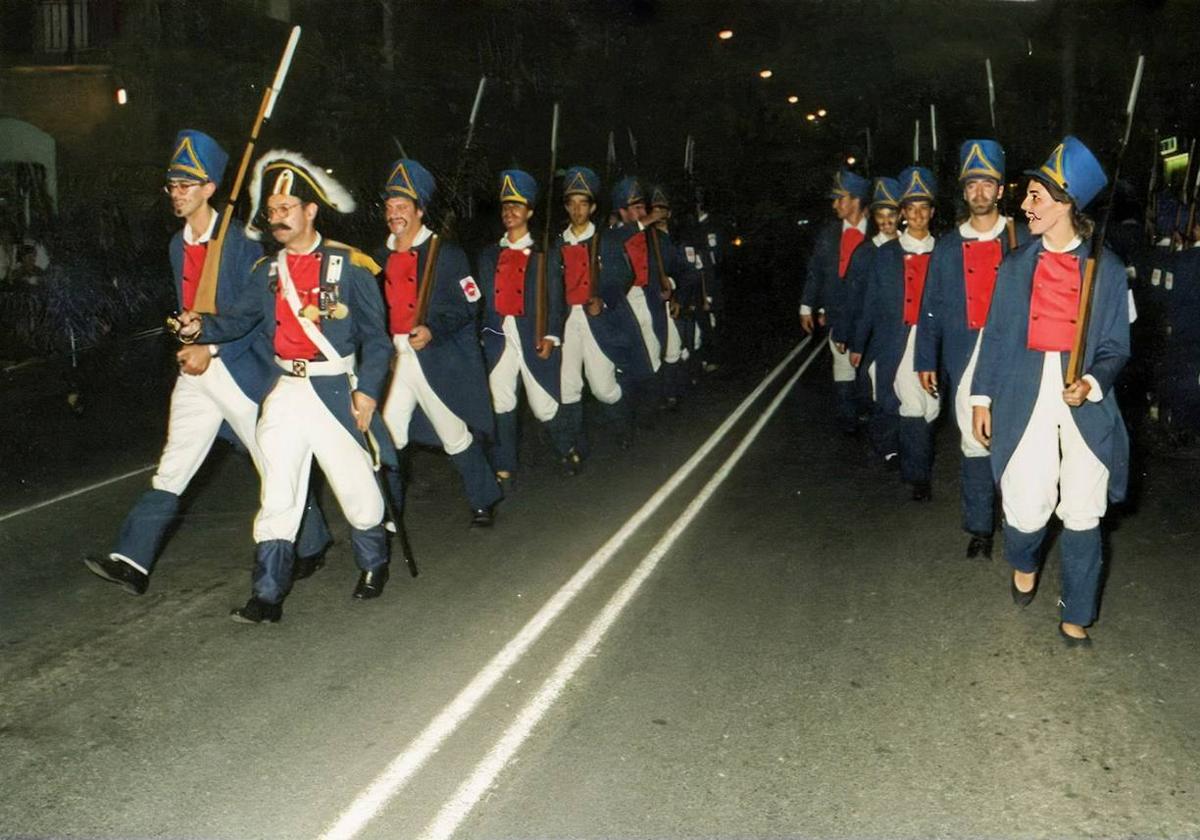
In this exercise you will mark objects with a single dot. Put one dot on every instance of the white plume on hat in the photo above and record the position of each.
(335, 195)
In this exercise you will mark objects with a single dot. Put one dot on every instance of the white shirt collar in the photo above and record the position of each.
(316, 244)
(571, 239)
(1071, 246)
(207, 235)
(525, 241)
(916, 246)
(967, 232)
(881, 239)
(419, 240)
(861, 226)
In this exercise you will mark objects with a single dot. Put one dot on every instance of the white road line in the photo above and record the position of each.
(401, 769)
(79, 492)
(476, 786)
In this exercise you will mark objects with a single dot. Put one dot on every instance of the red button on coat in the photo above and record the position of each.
(510, 282)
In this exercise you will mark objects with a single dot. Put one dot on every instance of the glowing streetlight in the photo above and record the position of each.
(850, 161)
(725, 34)
(810, 117)
(765, 74)
(122, 96)
(821, 112)
(793, 99)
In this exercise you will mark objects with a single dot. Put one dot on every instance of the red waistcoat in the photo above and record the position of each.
(851, 239)
(981, 260)
(915, 267)
(1054, 302)
(510, 281)
(576, 273)
(193, 267)
(290, 340)
(638, 250)
(400, 289)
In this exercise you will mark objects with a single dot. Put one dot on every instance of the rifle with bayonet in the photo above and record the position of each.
(542, 314)
(1010, 225)
(206, 291)
(1151, 215)
(1078, 348)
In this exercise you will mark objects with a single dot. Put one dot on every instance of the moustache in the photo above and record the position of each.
(274, 226)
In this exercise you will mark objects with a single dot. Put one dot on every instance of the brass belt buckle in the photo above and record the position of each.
(300, 367)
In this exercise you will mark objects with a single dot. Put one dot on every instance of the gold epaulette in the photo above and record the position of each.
(357, 257)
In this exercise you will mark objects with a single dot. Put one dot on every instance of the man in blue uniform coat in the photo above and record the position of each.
(515, 353)
(319, 306)
(601, 337)
(438, 393)
(823, 300)
(219, 387)
(887, 330)
(958, 293)
(1052, 443)
(885, 215)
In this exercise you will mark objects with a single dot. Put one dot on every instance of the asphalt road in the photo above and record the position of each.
(810, 656)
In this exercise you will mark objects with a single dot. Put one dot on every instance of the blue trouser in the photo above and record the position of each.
(1081, 563)
(884, 431)
(479, 482)
(142, 532)
(846, 403)
(916, 449)
(273, 559)
(504, 452)
(978, 494)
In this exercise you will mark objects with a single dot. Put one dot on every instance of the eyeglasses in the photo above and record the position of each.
(282, 210)
(181, 187)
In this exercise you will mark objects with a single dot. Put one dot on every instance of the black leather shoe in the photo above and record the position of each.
(370, 584)
(257, 612)
(922, 491)
(130, 579)
(482, 518)
(1073, 641)
(306, 567)
(1023, 599)
(980, 546)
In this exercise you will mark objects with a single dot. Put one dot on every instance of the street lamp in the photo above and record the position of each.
(810, 117)
(793, 99)
(850, 161)
(821, 112)
(725, 34)
(765, 74)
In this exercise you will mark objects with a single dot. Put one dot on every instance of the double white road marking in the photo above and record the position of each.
(396, 775)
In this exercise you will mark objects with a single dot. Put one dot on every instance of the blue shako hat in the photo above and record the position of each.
(886, 194)
(518, 186)
(1073, 169)
(196, 157)
(409, 179)
(849, 183)
(917, 183)
(981, 159)
(580, 180)
(658, 198)
(627, 191)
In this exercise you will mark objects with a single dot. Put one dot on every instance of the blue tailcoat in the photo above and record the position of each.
(545, 371)
(823, 288)
(249, 358)
(881, 334)
(616, 328)
(362, 332)
(1010, 373)
(944, 307)
(452, 362)
(858, 278)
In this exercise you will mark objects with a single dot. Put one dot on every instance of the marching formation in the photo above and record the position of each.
(322, 353)
(1023, 331)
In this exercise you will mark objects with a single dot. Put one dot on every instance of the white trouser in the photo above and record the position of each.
(641, 311)
(843, 371)
(674, 341)
(296, 427)
(581, 354)
(198, 405)
(915, 401)
(1050, 460)
(510, 368)
(971, 448)
(409, 388)
(874, 385)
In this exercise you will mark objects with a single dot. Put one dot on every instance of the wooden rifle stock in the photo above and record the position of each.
(542, 314)
(428, 278)
(206, 290)
(594, 266)
(1011, 227)
(1075, 362)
